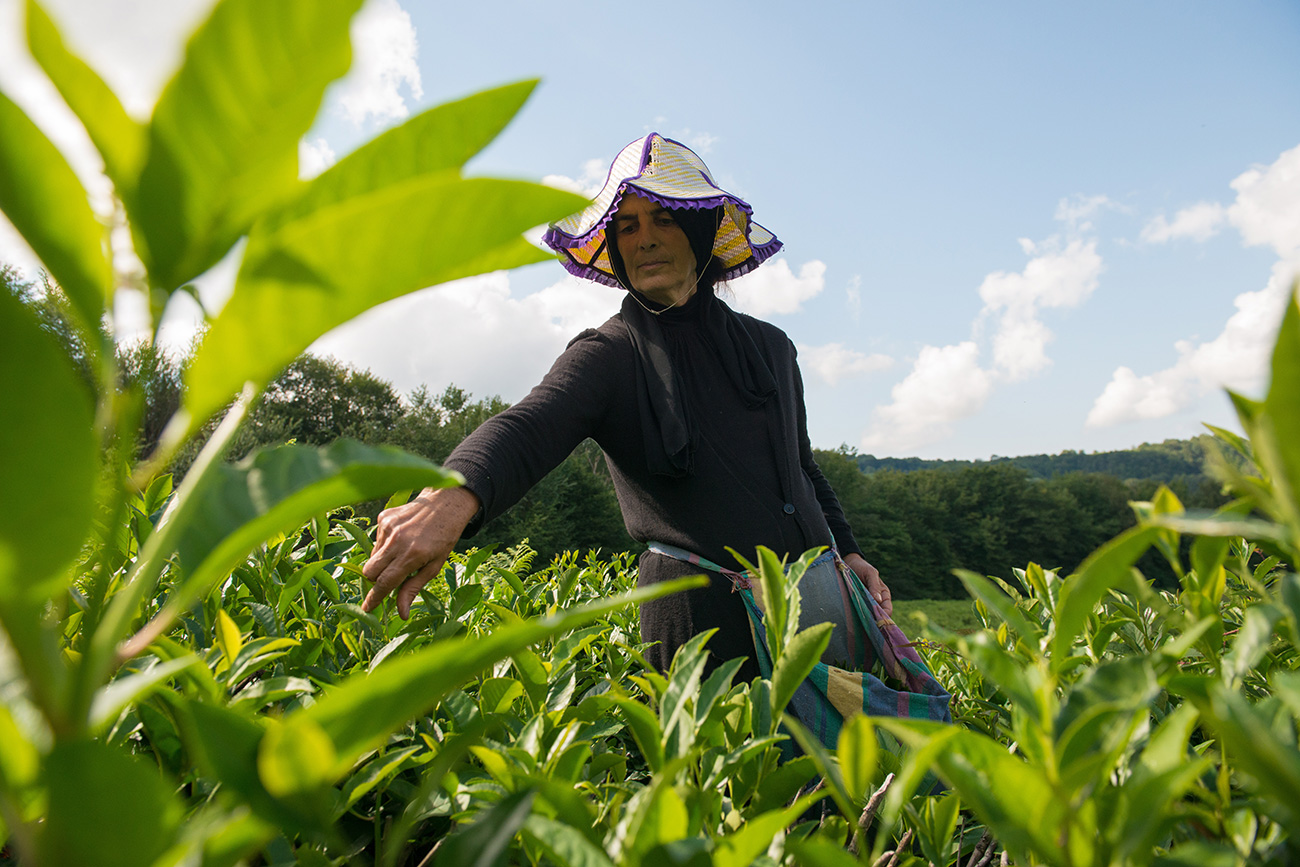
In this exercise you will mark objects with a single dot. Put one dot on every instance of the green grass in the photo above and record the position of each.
(957, 615)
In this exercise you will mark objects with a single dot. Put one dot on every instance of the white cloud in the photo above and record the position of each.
(774, 288)
(594, 174)
(1129, 397)
(1077, 211)
(384, 63)
(853, 295)
(835, 361)
(946, 384)
(1237, 358)
(314, 157)
(1266, 213)
(1200, 222)
(474, 332)
(1267, 210)
(1056, 277)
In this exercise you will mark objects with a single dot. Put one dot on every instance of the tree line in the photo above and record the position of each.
(916, 520)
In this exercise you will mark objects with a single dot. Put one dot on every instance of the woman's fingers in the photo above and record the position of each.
(412, 544)
(412, 586)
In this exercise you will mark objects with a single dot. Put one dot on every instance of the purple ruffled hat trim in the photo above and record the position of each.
(673, 176)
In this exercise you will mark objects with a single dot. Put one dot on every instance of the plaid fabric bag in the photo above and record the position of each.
(870, 666)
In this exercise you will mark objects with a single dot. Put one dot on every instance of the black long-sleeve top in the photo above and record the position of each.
(754, 479)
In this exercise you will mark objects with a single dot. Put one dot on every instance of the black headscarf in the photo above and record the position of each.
(670, 440)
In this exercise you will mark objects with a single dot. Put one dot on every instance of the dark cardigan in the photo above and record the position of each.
(754, 482)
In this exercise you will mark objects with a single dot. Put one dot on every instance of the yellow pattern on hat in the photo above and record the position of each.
(673, 175)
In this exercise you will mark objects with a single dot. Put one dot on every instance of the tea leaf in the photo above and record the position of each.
(794, 665)
(119, 139)
(857, 748)
(48, 206)
(360, 712)
(49, 450)
(106, 808)
(1104, 569)
(322, 269)
(237, 506)
(223, 142)
(485, 842)
(564, 845)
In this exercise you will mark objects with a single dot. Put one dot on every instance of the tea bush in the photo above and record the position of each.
(188, 677)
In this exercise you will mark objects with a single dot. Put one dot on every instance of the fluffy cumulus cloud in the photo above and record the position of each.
(1266, 212)
(1059, 275)
(1267, 209)
(774, 288)
(1237, 358)
(946, 384)
(835, 361)
(384, 65)
(949, 383)
(476, 333)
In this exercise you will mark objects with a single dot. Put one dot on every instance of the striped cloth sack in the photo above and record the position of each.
(870, 667)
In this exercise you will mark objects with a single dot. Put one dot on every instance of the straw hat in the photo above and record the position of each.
(672, 175)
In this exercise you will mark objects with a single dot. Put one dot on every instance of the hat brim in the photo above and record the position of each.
(673, 176)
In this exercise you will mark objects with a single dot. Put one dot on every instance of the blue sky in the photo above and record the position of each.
(1009, 228)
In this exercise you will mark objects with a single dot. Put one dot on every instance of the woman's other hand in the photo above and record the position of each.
(413, 542)
(870, 577)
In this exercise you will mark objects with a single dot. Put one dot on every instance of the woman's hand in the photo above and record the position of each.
(870, 577)
(413, 542)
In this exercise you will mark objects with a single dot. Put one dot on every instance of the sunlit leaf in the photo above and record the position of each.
(683, 686)
(439, 139)
(1009, 795)
(857, 748)
(1282, 413)
(223, 142)
(985, 591)
(48, 445)
(819, 852)
(130, 688)
(262, 692)
(107, 808)
(360, 713)
(564, 845)
(228, 637)
(321, 270)
(794, 665)
(295, 760)
(486, 841)
(1104, 569)
(645, 728)
(48, 206)
(119, 139)
(741, 848)
(237, 506)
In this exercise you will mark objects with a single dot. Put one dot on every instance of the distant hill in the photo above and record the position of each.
(1168, 460)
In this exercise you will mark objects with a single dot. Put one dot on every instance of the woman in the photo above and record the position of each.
(699, 410)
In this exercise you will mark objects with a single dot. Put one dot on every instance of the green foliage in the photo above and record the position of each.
(918, 526)
(189, 677)
(1103, 721)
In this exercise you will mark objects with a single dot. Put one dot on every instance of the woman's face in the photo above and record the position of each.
(655, 251)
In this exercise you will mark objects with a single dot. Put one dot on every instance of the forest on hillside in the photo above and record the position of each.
(916, 520)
